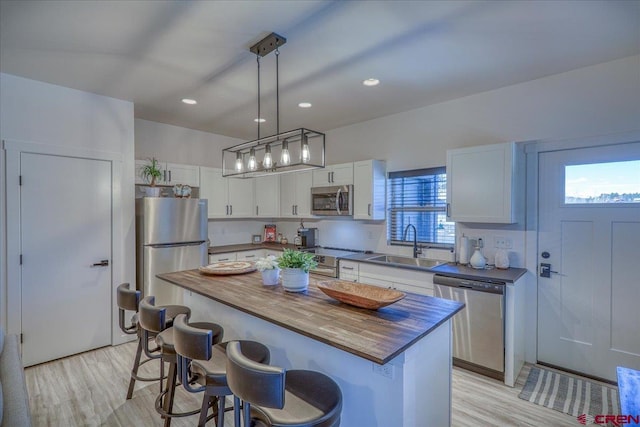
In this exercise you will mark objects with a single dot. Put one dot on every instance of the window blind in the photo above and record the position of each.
(419, 197)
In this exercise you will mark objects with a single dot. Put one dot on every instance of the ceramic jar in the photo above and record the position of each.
(477, 259)
(502, 259)
(270, 277)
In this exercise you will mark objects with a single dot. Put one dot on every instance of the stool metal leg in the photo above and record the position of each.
(206, 402)
(134, 370)
(236, 411)
(221, 403)
(171, 391)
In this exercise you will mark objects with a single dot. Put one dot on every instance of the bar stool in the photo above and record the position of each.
(152, 320)
(274, 397)
(202, 361)
(129, 300)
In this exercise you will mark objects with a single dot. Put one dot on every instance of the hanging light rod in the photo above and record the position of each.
(268, 44)
(294, 150)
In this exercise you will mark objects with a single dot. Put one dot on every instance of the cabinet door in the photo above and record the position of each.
(213, 187)
(229, 256)
(348, 271)
(304, 180)
(369, 190)
(322, 177)
(479, 184)
(342, 174)
(250, 255)
(182, 174)
(268, 196)
(287, 195)
(241, 204)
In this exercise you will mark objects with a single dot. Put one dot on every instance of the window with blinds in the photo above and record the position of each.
(419, 197)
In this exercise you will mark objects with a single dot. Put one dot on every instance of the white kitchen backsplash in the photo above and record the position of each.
(228, 232)
(494, 235)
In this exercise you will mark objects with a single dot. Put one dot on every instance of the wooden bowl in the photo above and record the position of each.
(359, 294)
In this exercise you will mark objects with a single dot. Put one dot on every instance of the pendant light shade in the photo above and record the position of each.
(298, 149)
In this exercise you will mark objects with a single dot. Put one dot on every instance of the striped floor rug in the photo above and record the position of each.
(571, 395)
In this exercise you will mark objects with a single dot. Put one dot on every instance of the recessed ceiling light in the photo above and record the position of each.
(371, 82)
(259, 120)
(304, 105)
(189, 101)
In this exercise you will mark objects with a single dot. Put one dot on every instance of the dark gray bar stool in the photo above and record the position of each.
(274, 397)
(129, 300)
(153, 320)
(202, 361)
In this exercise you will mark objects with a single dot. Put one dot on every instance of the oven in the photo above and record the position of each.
(332, 201)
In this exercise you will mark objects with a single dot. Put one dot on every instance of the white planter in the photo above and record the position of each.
(294, 280)
(152, 191)
(271, 277)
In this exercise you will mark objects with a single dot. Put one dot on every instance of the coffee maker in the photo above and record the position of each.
(306, 237)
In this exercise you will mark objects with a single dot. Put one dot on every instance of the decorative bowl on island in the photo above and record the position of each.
(360, 295)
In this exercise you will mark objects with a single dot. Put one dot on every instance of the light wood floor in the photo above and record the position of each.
(89, 390)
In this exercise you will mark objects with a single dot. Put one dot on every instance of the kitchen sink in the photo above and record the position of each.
(415, 262)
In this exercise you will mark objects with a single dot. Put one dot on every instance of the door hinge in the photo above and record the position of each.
(20, 259)
(19, 179)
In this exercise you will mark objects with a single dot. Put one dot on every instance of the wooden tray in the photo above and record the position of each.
(359, 294)
(228, 267)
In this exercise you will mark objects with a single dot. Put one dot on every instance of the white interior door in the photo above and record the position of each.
(588, 312)
(65, 228)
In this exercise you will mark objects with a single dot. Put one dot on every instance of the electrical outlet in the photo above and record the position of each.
(384, 370)
(503, 242)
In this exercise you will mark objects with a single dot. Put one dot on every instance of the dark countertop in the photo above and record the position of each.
(376, 335)
(509, 275)
(249, 247)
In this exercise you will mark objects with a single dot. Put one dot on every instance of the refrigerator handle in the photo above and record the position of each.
(175, 245)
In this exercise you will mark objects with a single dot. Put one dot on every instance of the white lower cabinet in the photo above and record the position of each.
(402, 279)
(252, 255)
(227, 256)
(348, 270)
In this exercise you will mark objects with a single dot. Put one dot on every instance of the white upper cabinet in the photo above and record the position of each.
(267, 190)
(369, 190)
(295, 194)
(227, 197)
(482, 184)
(341, 174)
(172, 174)
(182, 174)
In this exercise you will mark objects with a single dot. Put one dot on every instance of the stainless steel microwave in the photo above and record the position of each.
(335, 200)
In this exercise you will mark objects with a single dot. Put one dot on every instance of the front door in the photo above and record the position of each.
(589, 255)
(65, 230)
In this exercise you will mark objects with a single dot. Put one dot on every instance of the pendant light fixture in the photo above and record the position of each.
(297, 149)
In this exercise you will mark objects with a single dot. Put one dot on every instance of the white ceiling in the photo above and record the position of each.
(155, 53)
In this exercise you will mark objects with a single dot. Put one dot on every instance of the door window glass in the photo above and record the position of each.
(611, 182)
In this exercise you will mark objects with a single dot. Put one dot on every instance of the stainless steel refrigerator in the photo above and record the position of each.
(171, 235)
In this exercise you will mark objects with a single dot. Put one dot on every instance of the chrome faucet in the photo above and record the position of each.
(416, 251)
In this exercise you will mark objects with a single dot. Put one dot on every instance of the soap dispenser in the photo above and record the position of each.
(477, 259)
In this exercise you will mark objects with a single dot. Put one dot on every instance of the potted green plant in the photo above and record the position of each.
(295, 267)
(150, 173)
(270, 270)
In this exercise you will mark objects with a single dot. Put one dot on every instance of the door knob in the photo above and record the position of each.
(102, 263)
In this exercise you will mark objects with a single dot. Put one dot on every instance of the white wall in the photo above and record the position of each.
(180, 145)
(33, 111)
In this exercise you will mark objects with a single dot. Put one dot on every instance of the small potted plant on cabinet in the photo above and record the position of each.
(268, 266)
(295, 267)
(150, 173)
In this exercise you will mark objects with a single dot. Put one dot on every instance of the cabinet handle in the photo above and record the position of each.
(249, 256)
(227, 210)
(169, 176)
(293, 209)
(448, 210)
(164, 175)
(347, 268)
(223, 259)
(369, 209)
(256, 210)
(230, 209)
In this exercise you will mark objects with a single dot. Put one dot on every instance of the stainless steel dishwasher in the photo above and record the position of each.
(478, 330)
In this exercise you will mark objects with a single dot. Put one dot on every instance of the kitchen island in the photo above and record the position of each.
(393, 365)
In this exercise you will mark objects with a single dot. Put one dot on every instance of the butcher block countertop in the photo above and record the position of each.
(378, 336)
